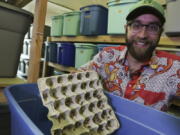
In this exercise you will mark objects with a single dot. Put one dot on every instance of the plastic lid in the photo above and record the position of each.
(72, 13)
(112, 2)
(57, 16)
(147, 6)
(84, 45)
(16, 9)
(92, 6)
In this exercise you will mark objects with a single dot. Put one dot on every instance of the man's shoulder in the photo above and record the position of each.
(169, 55)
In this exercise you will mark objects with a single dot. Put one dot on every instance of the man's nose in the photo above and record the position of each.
(143, 32)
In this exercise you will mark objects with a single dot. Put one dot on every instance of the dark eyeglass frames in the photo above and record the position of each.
(152, 28)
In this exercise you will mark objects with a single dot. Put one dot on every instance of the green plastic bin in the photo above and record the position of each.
(57, 25)
(84, 53)
(118, 10)
(71, 24)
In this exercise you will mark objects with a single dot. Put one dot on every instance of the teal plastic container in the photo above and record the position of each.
(84, 53)
(57, 25)
(118, 10)
(71, 24)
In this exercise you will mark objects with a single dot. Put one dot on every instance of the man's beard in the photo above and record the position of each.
(141, 54)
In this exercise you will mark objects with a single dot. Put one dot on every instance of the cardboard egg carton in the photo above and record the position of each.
(77, 104)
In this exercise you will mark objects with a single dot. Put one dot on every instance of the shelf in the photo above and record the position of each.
(61, 67)
(168, 49)
(11, 81)
(115, 39)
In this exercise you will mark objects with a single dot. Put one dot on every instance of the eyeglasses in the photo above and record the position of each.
(152, 28)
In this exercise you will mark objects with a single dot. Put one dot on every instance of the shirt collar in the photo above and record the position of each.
(152, 63)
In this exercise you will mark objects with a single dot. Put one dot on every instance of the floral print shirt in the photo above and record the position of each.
(152, 85)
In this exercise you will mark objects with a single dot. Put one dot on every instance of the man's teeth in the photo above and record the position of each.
(141, 43)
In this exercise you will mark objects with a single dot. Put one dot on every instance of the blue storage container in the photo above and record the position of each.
(59, 53)
(67, 54)
(93, 20)
(52, 52)
(29, 117)
(101, 46)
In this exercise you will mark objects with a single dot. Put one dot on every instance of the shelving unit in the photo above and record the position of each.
(61, 67)
(39, 21)
(166, 43)
(115, 39)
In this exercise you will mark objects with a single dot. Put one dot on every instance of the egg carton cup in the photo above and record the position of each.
(77, 105)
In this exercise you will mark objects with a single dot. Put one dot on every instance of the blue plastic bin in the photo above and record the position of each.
(59, 53)
(93, 20)
(67, 54)
(29, 117)
(52, 52)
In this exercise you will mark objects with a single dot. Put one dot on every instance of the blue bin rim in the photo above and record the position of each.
(92, 6)
(17, 108)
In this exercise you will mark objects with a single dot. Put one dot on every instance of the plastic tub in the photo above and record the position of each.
(67, 54)
(59, 53)
(14, 24)
(118, 10)
(57, 25)
(71, 23)
(93, 20)
(29, 117)
(52, 52)
(84, 53)
(172, 25)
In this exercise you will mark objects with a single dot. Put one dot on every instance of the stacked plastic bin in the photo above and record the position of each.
(52, 52)
(66, 54)
(66, 24)
(118, 10)
(84, 53)
(93, 20)
(172, 25)
(71, 23)
(57, 25)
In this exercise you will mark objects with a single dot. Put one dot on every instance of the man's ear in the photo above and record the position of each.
(125, 26)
